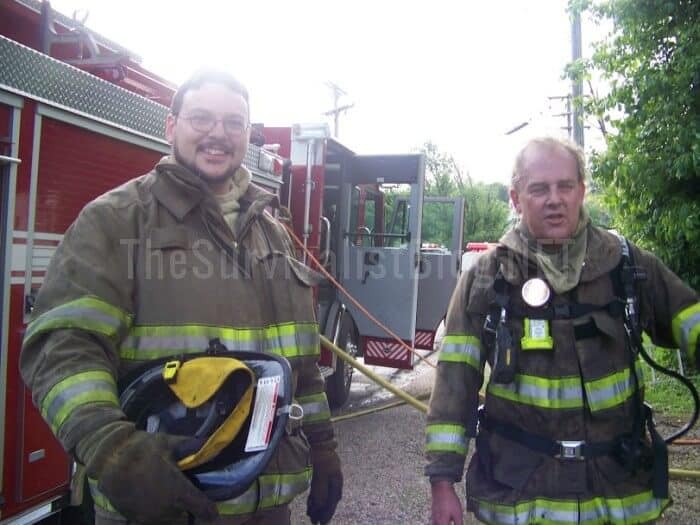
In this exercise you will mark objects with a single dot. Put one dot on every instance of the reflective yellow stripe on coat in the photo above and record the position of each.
(686, 330)
(638, 508)
(567, 392)
(315, 407)
(289, 340)
(464, 349)
(270, 490)
(95, 386)
(87, 313)
(446, 437)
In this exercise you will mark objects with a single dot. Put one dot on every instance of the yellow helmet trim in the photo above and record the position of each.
(195, 382)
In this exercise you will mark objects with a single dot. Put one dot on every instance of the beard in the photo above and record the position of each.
(190, 165)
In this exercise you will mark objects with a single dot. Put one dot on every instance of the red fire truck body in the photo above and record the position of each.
(79, 116)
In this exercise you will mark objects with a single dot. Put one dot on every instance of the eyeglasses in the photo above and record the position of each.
(204, 123)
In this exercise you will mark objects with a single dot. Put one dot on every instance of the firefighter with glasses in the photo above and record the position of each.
(556, 310)
(170, 265)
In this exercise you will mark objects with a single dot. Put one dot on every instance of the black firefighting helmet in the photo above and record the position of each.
(210, 398)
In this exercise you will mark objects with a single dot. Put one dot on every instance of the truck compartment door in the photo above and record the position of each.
(380, 250)
(442, 230)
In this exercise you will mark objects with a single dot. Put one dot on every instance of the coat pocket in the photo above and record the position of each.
(305, 275)
(511, 463)
(172, 237)
(288, 285)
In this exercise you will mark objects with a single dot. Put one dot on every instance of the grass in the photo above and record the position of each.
(668, 395)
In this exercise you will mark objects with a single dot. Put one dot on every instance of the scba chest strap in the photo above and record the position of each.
(623, 306)
(550, 312)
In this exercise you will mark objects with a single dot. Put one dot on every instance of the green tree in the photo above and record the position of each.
(486, 214)
(649, 173)
(442, 175)
(600, 215)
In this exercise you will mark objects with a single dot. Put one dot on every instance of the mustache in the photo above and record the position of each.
(216, 144)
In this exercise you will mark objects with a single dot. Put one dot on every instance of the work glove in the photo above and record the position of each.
(136, 471)
(326, 486)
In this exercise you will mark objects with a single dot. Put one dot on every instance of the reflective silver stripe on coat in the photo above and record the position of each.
(541, 392)
(636, 508)
(278, 489)
(88, 313)
(73, 393)
(446, 437)
(188, 343)
(296, 345)
(461, 349)
(246, 503)
(288, 340)
(613, 390)
(315, 407)
(689, 333)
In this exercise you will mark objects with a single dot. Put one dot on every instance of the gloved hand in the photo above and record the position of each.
(326, 486)
(137, 473)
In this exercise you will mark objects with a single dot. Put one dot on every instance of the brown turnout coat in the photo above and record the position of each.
(151, 269)
(579, 389)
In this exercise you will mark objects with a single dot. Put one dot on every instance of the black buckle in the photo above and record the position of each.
(570, 450)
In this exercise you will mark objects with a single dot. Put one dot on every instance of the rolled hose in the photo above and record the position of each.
(415, 403)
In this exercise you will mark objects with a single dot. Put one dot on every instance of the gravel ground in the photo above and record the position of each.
(382, 455)
(685, 492)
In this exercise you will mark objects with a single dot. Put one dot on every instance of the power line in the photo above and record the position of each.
(337, 109)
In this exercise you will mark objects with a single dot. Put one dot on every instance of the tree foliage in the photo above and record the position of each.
(650, 172)
(486, 205)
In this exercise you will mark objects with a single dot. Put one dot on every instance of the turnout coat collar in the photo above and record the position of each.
(603, 253)
(180, 191)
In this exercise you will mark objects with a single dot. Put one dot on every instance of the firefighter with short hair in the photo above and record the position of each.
(162, 266)
(556, 310)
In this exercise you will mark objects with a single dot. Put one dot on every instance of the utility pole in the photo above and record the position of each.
(567, 113)
(337, 109)
(577, 83)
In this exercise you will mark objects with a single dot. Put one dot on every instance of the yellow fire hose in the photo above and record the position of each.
(374, 377)
(672, 472)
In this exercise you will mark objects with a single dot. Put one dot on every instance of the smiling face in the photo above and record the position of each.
(549, 195)
(216, 153)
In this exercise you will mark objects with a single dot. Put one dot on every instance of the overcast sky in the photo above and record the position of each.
(459, 73)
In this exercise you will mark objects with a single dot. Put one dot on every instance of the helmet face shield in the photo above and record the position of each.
(211, 399)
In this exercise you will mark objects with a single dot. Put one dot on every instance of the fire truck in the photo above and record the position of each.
(79, 115)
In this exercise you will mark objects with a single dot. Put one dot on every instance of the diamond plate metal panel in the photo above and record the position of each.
(43, 77)
(252, 157)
